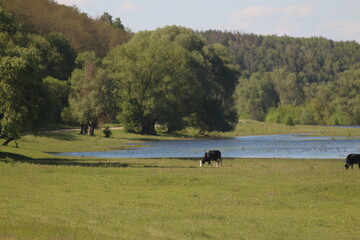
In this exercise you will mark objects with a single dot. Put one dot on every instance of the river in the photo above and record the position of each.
(265, 146)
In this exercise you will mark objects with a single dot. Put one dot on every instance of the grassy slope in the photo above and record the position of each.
(174, 198)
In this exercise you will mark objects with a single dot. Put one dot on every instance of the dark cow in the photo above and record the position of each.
(352, 159)
(211, 155)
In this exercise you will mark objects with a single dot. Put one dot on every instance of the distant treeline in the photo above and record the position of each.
(294, 80)
(57, 64)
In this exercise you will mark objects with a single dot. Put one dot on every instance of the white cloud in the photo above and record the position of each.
(270, 20)
(252, 13)
(297, 11)
(129, 6)
(260, 12)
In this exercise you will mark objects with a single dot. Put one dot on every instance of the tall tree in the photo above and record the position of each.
(92, 93)
(58, 92)
(22, 92)
(148, 85)
(170, 77)
(64, 62)
(107, 18)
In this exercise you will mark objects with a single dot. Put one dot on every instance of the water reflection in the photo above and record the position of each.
(267, 146)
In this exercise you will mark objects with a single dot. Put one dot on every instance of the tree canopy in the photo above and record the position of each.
(285, 78)
(23, 95)
(171, 77)
(92, 95)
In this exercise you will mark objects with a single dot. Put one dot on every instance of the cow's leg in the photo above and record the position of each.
(352, 166)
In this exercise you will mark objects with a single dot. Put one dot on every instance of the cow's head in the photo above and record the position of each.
(346, 165)
(202, 163)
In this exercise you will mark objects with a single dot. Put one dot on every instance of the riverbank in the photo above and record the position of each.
(39, 147)
(252, 127)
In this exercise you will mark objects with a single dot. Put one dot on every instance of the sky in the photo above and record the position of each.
(333, 19)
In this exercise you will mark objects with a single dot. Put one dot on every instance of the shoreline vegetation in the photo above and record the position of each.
(49, 197)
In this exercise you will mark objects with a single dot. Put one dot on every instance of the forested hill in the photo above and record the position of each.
(85, 33)
(319, 59)
(294, 80)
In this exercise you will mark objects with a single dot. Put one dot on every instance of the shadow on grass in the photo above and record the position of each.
(75, 162)
(160, 137)
(19, 157)
(66, 136)
(14, 158)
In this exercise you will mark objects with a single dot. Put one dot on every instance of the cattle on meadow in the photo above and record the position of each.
(211, 155)
(352, 159)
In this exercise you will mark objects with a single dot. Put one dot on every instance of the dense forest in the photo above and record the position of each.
(294, 80)
(59, 65)
(84, 33)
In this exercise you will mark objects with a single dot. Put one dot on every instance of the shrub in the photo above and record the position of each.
(107, 132)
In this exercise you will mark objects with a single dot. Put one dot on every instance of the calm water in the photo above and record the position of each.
(268, 146)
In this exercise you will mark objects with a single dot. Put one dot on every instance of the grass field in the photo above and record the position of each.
(47, 197)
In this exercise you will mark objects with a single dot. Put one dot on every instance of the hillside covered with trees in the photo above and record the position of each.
(84, 33)
(294, 80)
(58, 65)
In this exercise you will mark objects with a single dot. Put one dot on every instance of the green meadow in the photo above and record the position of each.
(48, 197)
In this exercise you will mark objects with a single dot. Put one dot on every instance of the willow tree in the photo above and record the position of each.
(169, 76)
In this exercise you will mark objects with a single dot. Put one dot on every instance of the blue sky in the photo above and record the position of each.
(334, 19)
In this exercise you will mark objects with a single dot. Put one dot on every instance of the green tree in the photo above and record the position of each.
(346, 97)
(218, 111)
(58, 92)
(255, 96)
(92, 95)
(63, 62)
(288, 86)
(147, 83)
(170, 77)
(22, 92)
(107, 18)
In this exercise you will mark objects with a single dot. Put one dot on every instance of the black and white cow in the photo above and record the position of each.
(352, 159)
(211, 155)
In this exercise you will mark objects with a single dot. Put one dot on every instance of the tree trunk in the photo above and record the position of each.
(84, 129)
(9, 140)
(91, 129)
(148, 127)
